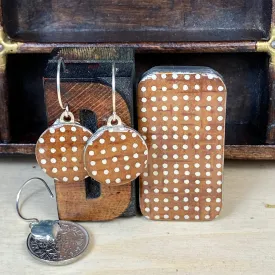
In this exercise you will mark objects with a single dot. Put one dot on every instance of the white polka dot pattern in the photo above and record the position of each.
(59, 151)
(185, 137)
(116, 155)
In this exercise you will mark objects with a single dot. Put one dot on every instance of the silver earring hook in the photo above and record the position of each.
(66, 116)
(32, 220)
(114, 116)
(59, 63)
(114, 89)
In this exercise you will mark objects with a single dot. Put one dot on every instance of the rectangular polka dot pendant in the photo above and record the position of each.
(181, 115)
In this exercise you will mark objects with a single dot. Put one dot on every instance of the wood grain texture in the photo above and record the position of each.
(71, 196)
(17, 149)
(128, 21)
(59, 151)
(86, 95)
(250, 152)
(172, 47)
(241, 152)
(181, 114)
(115, 155)
(74, 205)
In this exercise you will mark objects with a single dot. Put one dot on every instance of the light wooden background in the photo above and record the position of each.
(241, 241)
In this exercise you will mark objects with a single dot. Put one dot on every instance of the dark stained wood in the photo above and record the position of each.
(250, 152)
(4, 112)
(244, 152)
(135, 21)
(17, 149)
(26, 97)
(4, 116)
(273, 14)
(74, 205)
(175, 47)
(96, 54)
(246, 122)
(1, 14)
(32, 117)
(270, 135)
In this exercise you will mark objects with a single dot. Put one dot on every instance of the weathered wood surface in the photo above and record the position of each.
(4, 108)
(17, 149)
(97, 98)
(73, 203)
(19, 136)
(242, 152)
(246, 114)
(250, 152)
(165, 47)
(270, 135)
(132, 21)
(84, 96)
(91, 103)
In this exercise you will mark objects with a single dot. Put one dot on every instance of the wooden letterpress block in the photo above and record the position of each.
(74, 204)
(86, 87)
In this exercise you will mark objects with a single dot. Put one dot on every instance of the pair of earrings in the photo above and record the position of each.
(67, 151)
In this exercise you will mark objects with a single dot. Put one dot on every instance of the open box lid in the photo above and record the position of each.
(136, 21)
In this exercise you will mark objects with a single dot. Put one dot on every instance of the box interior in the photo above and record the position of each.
(245, 74)
(136, 21)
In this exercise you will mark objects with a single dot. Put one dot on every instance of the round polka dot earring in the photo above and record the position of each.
(59, 150)
(116, 154)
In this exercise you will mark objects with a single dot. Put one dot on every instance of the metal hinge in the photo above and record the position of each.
(268, 46)
(7, 46)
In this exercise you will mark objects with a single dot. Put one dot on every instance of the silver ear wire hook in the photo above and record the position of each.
(54, 242)
(66, 114)
(59, 63)
(114, 116)
(31, 220)
(114, 89)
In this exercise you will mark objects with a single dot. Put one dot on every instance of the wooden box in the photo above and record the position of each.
(234, 38)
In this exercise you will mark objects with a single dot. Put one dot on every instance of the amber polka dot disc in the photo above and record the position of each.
(115, 155)
(181, 115)
(59, 151)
